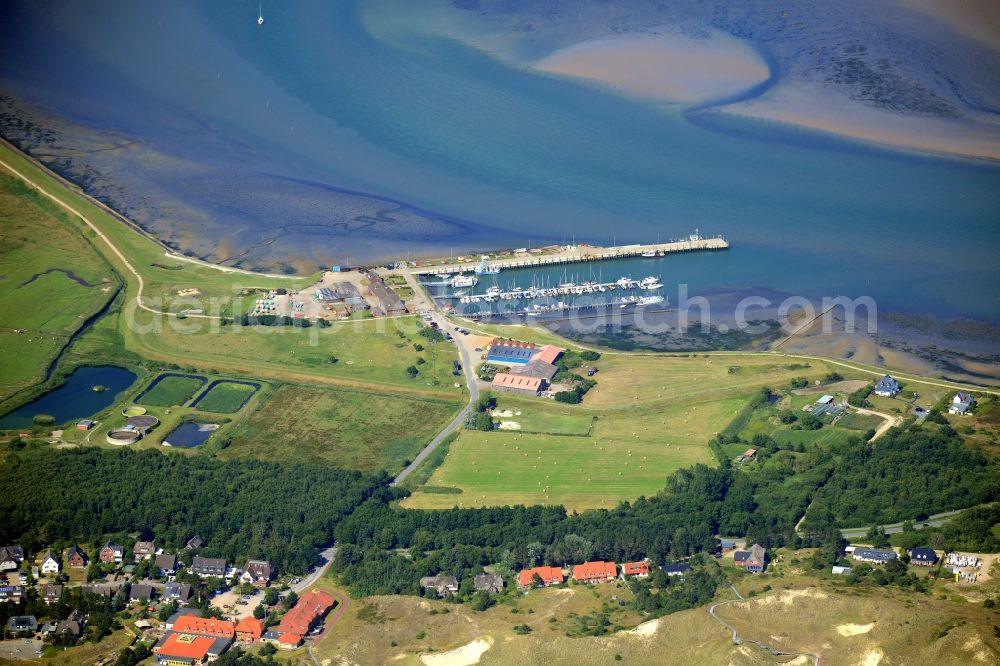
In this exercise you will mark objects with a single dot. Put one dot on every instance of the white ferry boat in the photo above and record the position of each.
(464, 281)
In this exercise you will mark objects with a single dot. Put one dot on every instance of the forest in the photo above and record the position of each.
(287, 513)
(907, 473)
(279, 512)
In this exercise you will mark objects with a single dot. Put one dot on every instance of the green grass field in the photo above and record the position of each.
(341, 428)
(652, 415)
(226, 398)
(171, 391)
(553, 419)
(37, 242)
(862, 422)
(372, 351)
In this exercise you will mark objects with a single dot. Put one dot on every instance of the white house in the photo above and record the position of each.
(50, 565)
(961, 403)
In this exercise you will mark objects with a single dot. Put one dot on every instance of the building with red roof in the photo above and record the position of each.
(640, 569)
(548, 354)
(249, 629)
(549, 576)
(289, 641)
(595, 572)
(187, 649)
(510, 383)
(204, 626)
(310, 609)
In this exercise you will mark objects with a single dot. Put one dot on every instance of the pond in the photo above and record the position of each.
(189, 435)
(76, 399)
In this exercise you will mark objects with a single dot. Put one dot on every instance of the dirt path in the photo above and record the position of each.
(888, 421)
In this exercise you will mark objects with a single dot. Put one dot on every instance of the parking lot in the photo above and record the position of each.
(228, 603)
(21, 649)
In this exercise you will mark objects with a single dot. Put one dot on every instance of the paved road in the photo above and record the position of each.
(318, 572)
(936, 520)
(738, 641)
(470, 380)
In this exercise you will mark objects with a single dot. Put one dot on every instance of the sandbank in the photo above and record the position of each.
(666, 68)
(811, 105)
(976, 19)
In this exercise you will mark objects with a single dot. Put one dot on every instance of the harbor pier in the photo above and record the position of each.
(578, 253)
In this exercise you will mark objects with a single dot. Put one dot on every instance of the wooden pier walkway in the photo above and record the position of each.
(579, 253)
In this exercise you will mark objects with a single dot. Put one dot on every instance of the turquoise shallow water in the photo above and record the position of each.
(339, 133)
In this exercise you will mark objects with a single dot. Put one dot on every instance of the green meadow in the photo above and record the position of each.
(353, 429)
(42, 305)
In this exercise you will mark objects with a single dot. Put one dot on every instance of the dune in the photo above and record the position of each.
(464, 656)
(811, 106)
(666, 68)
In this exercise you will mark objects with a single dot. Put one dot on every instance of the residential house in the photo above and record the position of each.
(308, 611)
(637, 569)
(444, 585)
(485, 582)
(257, 572)
(166, 564)
(887, 387)
(111, 553)
(195, 542)
(22, 624)
(595, 572)
(753, 560)
(50, 563)
(747, 456)
(208, 566)
(52, 593)
(76, 557)
(144, 550)
(961, 403)
(923, 557)
(548, 576)
(678, 569)
(70, 626)
(874, 555)
(289, 641)
(141, 594)
(100, 590)
(11, 557)
(249, 630)
(11, 594)
(179, 592)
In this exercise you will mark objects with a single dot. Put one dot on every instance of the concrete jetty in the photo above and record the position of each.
(579, 253)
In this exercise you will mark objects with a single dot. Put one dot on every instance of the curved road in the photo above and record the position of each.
(738, 641)
(470, 380)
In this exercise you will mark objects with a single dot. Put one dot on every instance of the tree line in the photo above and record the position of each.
(284, 513)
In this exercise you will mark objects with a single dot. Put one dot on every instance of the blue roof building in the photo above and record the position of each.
(887, 387)
(510, 354)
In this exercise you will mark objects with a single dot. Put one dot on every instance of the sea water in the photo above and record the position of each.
(337, 133)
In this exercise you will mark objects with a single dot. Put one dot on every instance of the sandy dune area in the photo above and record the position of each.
(665, 68)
